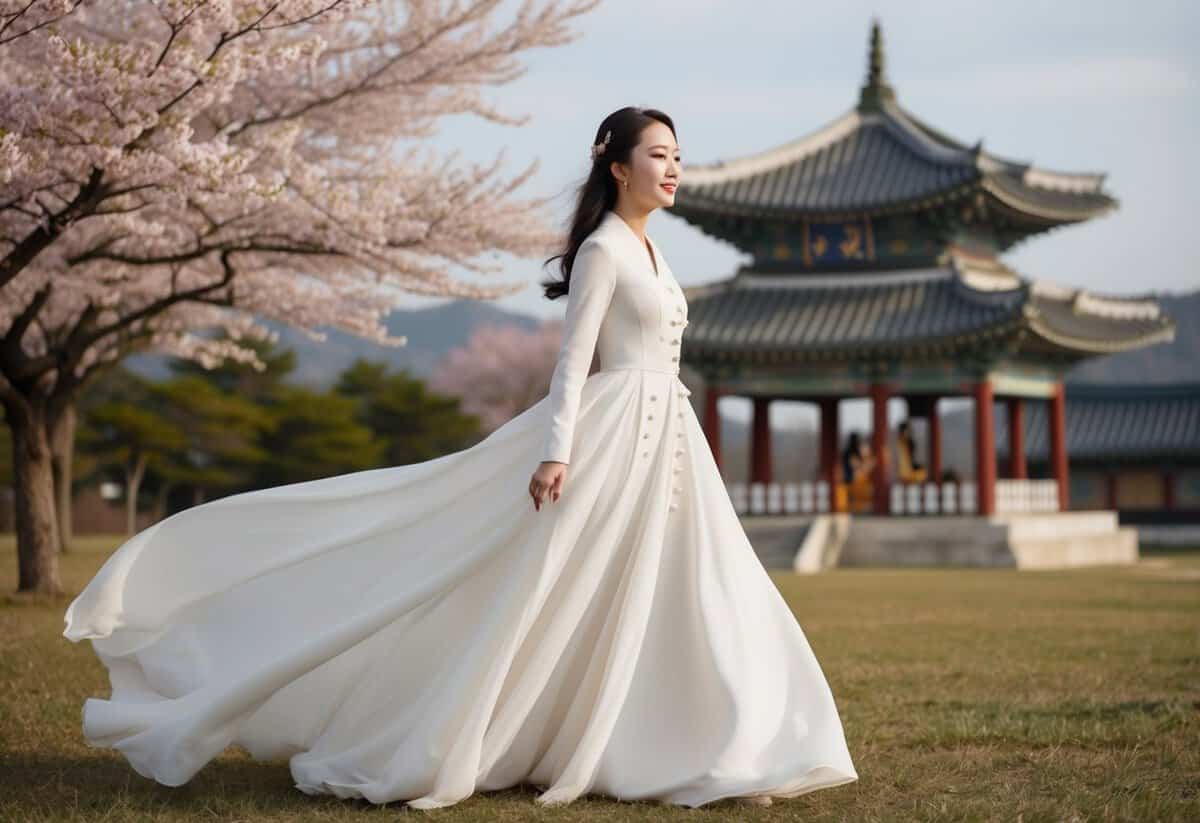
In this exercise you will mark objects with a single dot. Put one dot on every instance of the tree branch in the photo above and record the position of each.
(7, 36)
(22, 254)
(10, 346)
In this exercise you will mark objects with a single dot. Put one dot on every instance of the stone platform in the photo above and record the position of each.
(1023, 541)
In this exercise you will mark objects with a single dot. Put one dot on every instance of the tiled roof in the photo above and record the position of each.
(1117, 423)
(866, 315)
(807, 313)
(876, 161)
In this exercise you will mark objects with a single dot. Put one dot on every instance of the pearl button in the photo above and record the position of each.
(645, 454)
(673, 323)
(674, 359)
(673, 507)
(649, 417)
(652, 397)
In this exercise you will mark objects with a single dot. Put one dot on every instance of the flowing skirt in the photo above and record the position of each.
(421, 632)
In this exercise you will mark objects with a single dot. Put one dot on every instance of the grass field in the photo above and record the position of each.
(965, 695)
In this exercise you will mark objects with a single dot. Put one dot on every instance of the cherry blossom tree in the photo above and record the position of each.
(177, 166)
(502, 371)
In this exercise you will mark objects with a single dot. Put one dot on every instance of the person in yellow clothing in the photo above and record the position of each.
(858, 463)
(909, 470)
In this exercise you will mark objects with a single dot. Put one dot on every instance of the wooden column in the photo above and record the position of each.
(830, 464)
(935, 443)
(1058, 445)
(1017, 468)
(1169, 490)
(985, 448)
(760, 453)
(712, 422)
(1110, 489)
(879, 431)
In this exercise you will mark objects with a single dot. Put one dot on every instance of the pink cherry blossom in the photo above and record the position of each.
(502, 371)
(173, 166)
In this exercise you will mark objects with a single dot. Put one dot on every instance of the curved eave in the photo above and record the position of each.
(1046, 206)
(1120, 336)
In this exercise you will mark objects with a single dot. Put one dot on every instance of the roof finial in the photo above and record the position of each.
(876, 90)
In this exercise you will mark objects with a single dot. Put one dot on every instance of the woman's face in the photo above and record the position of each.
(653, 170)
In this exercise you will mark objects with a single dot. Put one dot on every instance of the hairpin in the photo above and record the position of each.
(598, 149)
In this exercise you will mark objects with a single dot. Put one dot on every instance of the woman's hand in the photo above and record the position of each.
(549, 477)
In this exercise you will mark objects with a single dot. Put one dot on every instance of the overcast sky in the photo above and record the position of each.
(1104, 85)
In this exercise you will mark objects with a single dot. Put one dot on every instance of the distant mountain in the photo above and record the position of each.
(431, 333)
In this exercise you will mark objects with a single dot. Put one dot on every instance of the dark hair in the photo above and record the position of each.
(852, 443)
(598, 194)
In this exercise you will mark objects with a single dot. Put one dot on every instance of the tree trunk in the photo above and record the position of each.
(62, 441)
(33, 471)
(133, 484)
(160, 501)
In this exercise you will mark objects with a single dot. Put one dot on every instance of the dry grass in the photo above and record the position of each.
(965, 694)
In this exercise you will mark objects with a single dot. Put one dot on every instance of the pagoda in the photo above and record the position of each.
(876, 243)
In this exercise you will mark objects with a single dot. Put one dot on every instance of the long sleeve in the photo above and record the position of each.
(593, 280)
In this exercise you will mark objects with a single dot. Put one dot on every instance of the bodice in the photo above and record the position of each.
(620, 308)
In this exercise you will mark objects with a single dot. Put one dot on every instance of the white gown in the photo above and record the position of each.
(421, 633)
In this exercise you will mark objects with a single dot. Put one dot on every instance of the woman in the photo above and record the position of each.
(421, 633)
(909, 469)
(850, 458)
(858, 462)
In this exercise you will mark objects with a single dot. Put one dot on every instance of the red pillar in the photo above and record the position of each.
(760, 455)
(712, 422)
(879, 431)
(985, 448)
(935, 442)
(1058, 444)
(1168, 490)
(829, 441)
(1017, 469)
(1110, 489)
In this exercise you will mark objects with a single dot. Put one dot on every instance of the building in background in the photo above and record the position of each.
(1134, 449)
(876, 273)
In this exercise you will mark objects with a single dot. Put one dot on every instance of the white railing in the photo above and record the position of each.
(779, 498)
(905, 498)
(1026, 496)
(932, 498)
